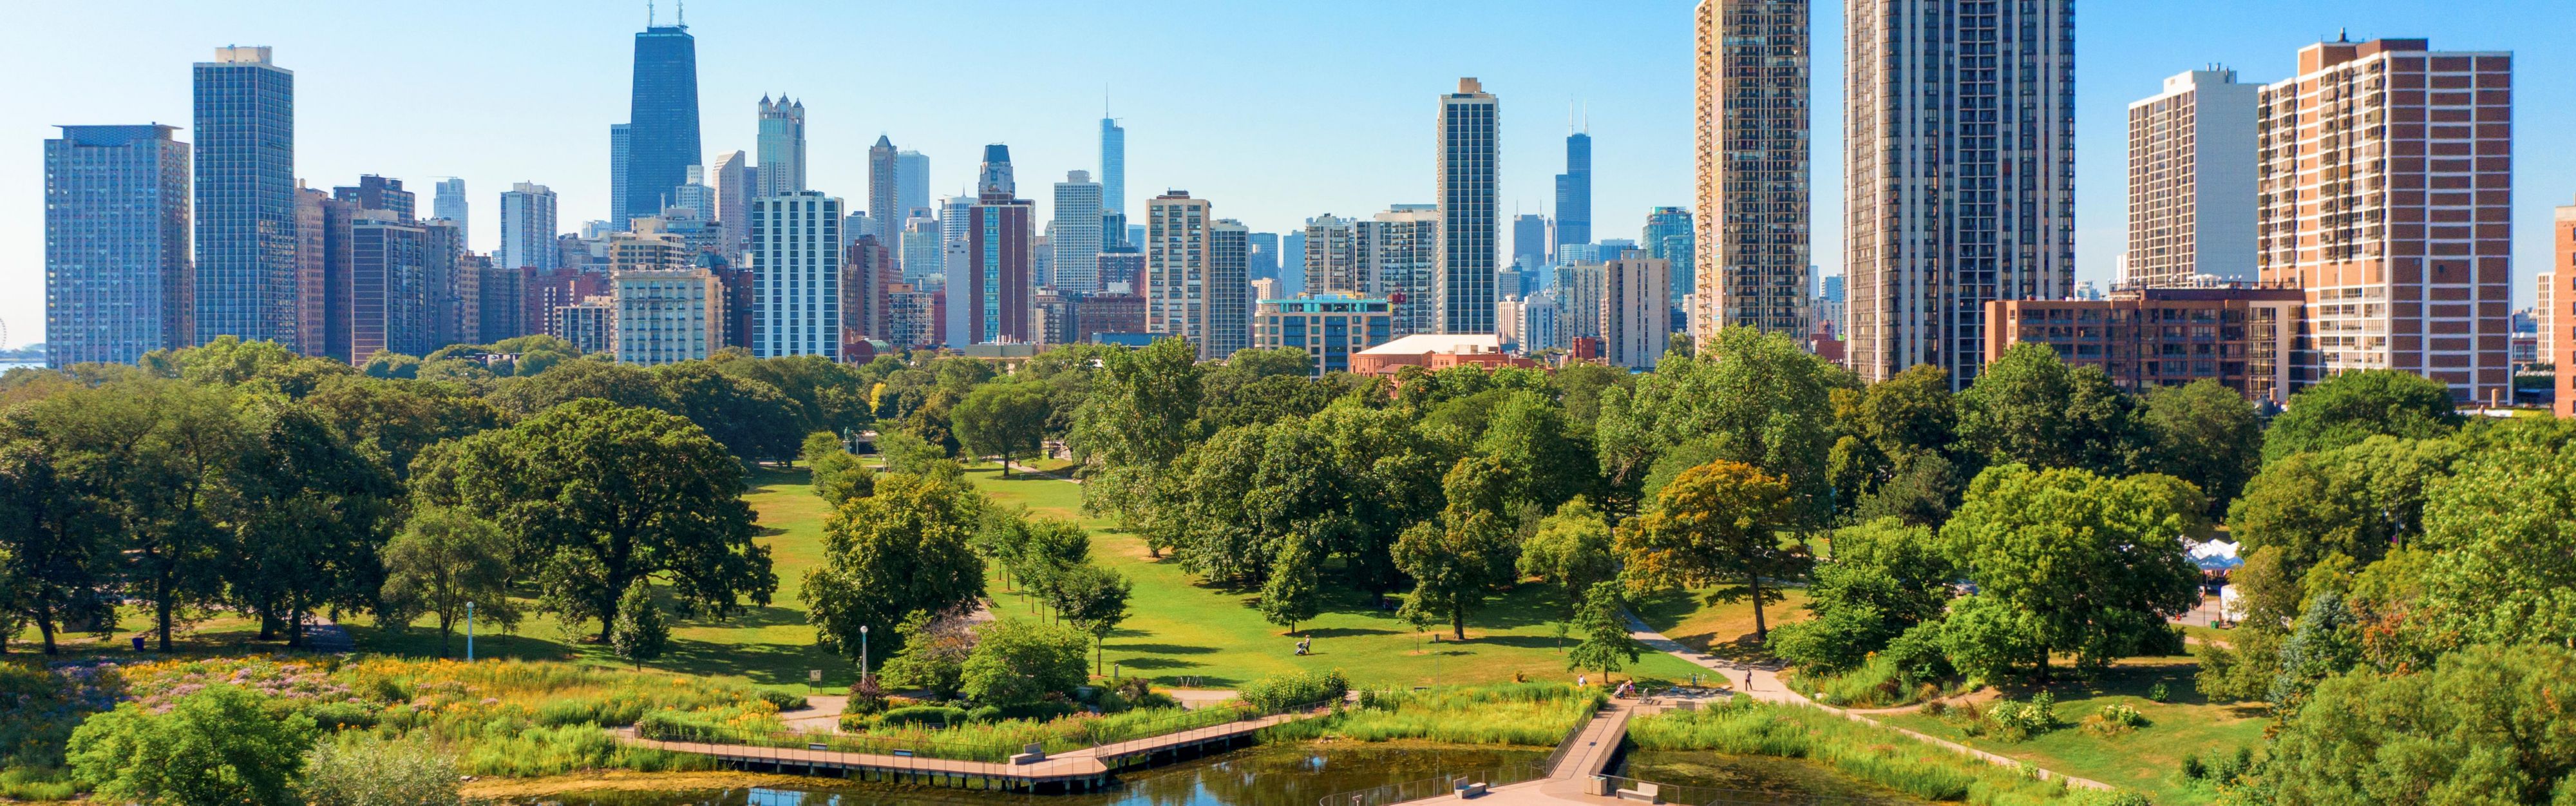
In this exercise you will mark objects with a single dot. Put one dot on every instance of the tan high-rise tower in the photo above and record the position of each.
(2386, 192)
(1751, 254)
(2191, 182)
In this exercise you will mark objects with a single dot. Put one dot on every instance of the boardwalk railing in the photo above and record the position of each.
(1717, 796)
(996, 748)
(1435, 786)
(1565, 746)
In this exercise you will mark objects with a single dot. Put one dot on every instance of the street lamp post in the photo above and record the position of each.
(469, 632)
(863, 652)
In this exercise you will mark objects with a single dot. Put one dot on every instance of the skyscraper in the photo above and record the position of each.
(1229, 295)
(695, 196)
(1463, 288)
(733, 177)
(1529, 241)
(388, 286)
(885, 213)
(662, 138)
(321, 272)
(921, 250)
(796, 262)
(1332, 263)
(955, 215)
(1636, 310)
(528, 227)
(1959, 182)
(911, 182)
(993, 176)
(867, 277)
(782, 146)
(2191, 181)
(620, 141)
(246, 281)
(1076, 238)
(450, 205)
(1400, 253)
(1751, 138)
(1292, 263)
(117, 276)
(1669, 237)
(1176, 246)
(1264, 256)
(998, 275)
(1113, 166)
(374, 192)
(1574, 191)
(2390, 206)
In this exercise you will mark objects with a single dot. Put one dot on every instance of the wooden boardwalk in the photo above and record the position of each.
(1071, 771)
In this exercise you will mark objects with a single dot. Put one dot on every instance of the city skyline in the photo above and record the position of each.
(1638, 102)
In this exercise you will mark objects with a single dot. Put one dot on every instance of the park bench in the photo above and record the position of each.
(1468, 790)
(1644, 793)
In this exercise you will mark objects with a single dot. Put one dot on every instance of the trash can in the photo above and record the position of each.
(138, 643)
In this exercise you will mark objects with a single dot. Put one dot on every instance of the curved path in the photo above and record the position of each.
(1763, 683)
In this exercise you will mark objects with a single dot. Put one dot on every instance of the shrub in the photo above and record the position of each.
(2158, 692)
(2114, 719)
(369, 771)
(1293, 689)
(1016, 662)
(867, 698)
(784, 699)
(2016, 721)
(923, 715)
(219, 744)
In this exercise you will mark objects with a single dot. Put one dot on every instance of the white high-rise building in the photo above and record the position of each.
(796, 272)
(1578, 299)
(2191, 181)
(1176, 265)
(528, 228)
(1400, 252)
(911, 181)
(450, 204)
(667, 316)
(1074, 237)
(782, 147)
(1636, 310)
(1332, 258)
(1959, 181)
(1463, 288)
(955, 220)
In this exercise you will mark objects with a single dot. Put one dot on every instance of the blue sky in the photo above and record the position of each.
(1277, 111)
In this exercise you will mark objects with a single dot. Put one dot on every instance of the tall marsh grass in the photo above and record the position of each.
(1857, 749)
(1523, 714)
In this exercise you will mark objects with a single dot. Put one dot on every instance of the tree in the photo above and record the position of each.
(1139, 418)
(1752, 398)
(57, 551)
(1717, 523)
(1019, 662)
(1530, 433)
(1052, 546)
(752, 419)
(589, 377)
(443, 560)
(2485, 726)
(930, 652)
(1572, 548)
(596, 496)
(1094, 600)
(1388, 479)
(2073, 561)
(1003, 419)
(2206, 434)
(1293, 593)
(1456, 562)
(908, 453)
(307, 513)
(1885, 577)
(887, 556)
(217, 745)
(2029, 407)
(639, 634)
(2349, 407)
(2501, 542)
(1602, 622)
(837, 475)
(1910, 414)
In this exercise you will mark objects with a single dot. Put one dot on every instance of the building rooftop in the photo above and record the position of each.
(1421, 343)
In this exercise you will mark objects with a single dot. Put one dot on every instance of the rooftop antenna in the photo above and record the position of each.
(684, 12)
(648, 13)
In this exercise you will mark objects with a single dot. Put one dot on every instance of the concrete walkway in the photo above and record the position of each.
(1765, 686)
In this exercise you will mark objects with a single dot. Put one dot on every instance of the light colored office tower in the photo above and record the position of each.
(732, 177)
(1542, 322)
(796, 266)
(666, 316)
(855, 224)
(1959, 183)
(1636, 310)
(1176, 266)
(911, 182)
(1075, 239)
(1113, 166)
(590, 324)
(2191, 182)
(1330, 328)
(650, 246)
(782, 147)
(955, 216)
(1332, 261)
(117, 276)
(922, 250)
(1400, 253)
(246, 279)
(322, 245)
(695, 195)
(1509, 315)
(2385, 193)
(2546, 311)
(1229, 296)
(1578, 299)
(885, 212)
(993, 176)
(1463, 288)
(1752, 146)
(450, 204)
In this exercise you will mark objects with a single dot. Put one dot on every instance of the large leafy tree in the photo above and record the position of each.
(1573, 549)
(2488, 725)
(749, 417)
(1718, 524)
(1389, 479)
(2029, 407)
(1094, 600)
(1141, 416)
(2349, 407)
(1019, 662)
(903, 551)
(218, 745)
(1529, 432)
(1752, 398)
(1456, 562)
(1003, 419)
(2206, 434)
(590, 377)
(2501, 538)
(1293, 594)
(597, 495)
(1885, 577)
(837, 475)
(442, 561)
(2074, 562)
(307, 512)
(58, 554)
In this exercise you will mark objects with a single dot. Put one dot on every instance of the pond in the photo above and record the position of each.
(1291, 774)
(1705, 776)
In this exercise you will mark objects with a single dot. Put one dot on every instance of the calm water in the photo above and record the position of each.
(1294, 774)
(1752, 779)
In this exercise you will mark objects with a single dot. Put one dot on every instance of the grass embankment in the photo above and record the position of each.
(1871, 754)
(1179, 628)
(989, 741)
(1723, 629)
(2147, 758)
(1513, 714)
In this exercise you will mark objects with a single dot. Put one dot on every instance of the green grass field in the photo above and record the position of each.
(2147, 759)
(1724, 629)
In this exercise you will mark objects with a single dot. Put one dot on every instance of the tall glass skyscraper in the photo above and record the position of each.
(1113, 166)
(782, 147)
(246, 283)
(620, 138)
(450, 205)
(1670, 237)
(1463, 289)
(1077, 234)
(912, 182)
(117, 281)
(884, 212)
(662, 120)
(528, 228)
(1574, 192)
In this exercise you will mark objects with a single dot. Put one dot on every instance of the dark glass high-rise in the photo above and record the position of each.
(662, 120)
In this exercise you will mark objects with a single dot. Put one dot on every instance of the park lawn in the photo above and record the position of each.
(2148, 759)
(1723, 629)
(218, 634)
(1177, 628)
